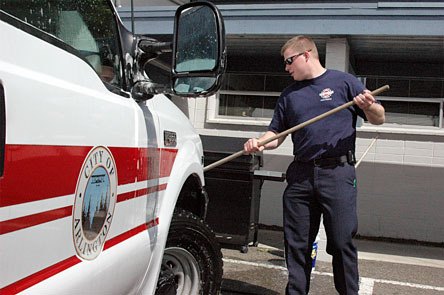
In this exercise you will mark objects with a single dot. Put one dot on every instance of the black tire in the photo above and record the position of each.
(194, 255)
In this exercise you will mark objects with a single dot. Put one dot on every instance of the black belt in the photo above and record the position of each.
(325, 162)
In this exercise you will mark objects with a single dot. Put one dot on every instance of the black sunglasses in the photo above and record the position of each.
(289, 61)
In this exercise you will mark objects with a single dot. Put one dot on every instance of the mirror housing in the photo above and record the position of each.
(199, 52)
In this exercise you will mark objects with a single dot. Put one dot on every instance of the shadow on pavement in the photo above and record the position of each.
(275, 239)
(232, 287)
(278, 253)
(400, 249)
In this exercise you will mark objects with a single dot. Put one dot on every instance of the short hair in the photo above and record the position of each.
(301, 43)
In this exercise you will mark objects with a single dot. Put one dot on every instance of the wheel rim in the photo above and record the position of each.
(185, 269)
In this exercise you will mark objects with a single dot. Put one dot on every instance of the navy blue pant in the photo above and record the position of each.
(312, 192)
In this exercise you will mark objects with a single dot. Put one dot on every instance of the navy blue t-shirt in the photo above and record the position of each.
(332, 136)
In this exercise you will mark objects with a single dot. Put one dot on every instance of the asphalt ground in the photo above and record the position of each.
(385, 269)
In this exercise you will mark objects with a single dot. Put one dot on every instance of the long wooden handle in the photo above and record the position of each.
(293, 129)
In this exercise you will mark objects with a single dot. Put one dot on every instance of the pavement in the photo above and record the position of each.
(385, 268)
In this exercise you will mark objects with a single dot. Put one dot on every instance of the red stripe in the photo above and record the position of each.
(126, 235)
(122, 237)
(140, 192)
(34, 173)
(152, 223)
(52, 270)
(34, 219)
(167, 156)
(11, 225)
(38, 172)
(39, 276)
(157, 188)
(125, 196)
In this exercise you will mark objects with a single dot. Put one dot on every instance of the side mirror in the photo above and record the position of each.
(199, 53)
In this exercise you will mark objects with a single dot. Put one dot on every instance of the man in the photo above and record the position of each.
(321, 180)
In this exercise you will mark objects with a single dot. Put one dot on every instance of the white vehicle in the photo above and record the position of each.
(101, 176)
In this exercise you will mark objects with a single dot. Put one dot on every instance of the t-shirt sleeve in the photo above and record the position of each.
(278, 123)
(355, 87)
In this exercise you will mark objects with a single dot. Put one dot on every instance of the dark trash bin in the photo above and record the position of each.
(234, 190)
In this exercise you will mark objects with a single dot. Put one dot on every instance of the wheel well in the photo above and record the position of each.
(193, 197)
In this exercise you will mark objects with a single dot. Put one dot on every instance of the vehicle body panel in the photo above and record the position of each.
(91, 174)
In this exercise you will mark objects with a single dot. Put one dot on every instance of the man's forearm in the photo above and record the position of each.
(272, 144)
(375, 114)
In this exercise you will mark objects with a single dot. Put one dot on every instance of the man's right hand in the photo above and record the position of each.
(251, 146)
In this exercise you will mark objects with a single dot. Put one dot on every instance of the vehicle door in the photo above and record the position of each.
(73, 173)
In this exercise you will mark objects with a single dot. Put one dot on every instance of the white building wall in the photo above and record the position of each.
(337, 53)
(401, 189)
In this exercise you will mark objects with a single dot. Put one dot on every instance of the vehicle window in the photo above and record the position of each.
(88, 26)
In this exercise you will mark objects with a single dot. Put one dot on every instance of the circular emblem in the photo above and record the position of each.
(326, 94)
(96, 194)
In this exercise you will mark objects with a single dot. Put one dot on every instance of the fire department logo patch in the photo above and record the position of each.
(326, 94)
(95, 199)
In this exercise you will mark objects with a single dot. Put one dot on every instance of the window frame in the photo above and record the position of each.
(439, 101)
(213, 106)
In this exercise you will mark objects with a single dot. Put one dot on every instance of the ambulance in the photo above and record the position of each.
(101, 175)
